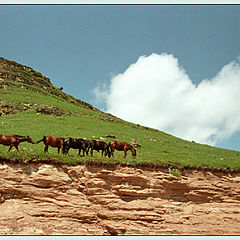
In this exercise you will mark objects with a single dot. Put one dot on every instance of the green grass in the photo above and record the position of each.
(158, 148)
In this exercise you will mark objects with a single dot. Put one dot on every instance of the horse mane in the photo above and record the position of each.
(18, 135)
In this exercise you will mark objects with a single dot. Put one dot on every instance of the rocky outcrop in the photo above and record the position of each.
(6, 109)
(48, 199)
(49, 110)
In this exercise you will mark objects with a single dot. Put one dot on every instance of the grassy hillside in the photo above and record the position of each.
(31, 105)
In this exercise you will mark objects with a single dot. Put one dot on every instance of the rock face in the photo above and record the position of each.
(45, 199)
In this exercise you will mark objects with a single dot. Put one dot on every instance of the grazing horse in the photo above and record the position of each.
(14, 140)
(88, 145)
(53, 142)
(99, 145)
(121, 146)
(75, 143)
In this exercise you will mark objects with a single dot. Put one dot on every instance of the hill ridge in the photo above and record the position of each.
(15, 74)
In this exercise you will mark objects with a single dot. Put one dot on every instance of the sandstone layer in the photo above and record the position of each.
(47, 199)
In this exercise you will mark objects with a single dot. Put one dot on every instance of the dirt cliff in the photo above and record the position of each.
(48, 199)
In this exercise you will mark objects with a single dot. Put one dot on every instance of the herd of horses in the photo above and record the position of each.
(76, 143)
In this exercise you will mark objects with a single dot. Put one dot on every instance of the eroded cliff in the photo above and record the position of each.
(48, 199)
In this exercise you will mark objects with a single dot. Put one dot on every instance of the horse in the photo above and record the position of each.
(99, 145)
(53, 142)
(88, 145)
(14, 140)
(75, 143)
(121, 146)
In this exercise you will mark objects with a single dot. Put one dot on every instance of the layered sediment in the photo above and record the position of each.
(48, 199)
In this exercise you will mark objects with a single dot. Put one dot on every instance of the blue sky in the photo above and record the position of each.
(84, 47)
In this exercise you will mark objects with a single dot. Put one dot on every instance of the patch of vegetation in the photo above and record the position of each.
(175, 172)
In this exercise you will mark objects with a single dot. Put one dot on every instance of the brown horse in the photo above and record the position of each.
(14, 141)
(121, 146)
(99, 145)
(53, 142)
(76, 143)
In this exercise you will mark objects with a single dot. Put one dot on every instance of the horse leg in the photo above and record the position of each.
(79, 152)
(66, 150)
(16, 146)
(125, 153)
(87, 150)
(105, 152)
(109, 151)
(10, 148)
(112, 151)
(46, 149)
(58, 150)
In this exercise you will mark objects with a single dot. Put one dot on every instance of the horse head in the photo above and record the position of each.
(29, 140)
(134, 152)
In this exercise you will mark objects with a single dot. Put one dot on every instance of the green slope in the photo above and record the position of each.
(32, 106)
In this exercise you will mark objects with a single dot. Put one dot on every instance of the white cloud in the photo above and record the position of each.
(156, 92)
(100, 92)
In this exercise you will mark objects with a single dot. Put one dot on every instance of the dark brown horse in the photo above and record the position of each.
(53, 142)
(76, 143)
(121, 146)
(99, 145)
(14, 141)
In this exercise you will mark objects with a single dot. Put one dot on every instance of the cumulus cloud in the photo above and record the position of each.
(100, 92)
(156, 92)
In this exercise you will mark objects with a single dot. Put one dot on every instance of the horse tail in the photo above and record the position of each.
(42, 140)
